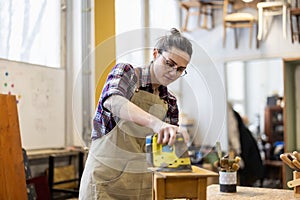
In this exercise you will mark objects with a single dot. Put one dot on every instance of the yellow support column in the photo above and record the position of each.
(105, 51)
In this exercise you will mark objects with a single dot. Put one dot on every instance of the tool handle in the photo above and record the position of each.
(218, 144)
(293, 183)
(286, 160)
(297, 155)
(296, 164)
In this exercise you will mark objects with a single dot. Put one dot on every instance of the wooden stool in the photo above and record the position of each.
(190, 185)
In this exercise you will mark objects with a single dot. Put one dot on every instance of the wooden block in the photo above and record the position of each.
(159, 187)
(12, 173)
(181, 187)
(296, 175)
(202, 183)
(171, 185)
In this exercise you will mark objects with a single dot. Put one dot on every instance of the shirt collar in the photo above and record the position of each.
(146, 81)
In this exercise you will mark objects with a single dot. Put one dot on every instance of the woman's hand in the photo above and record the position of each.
(124, 109)
(167, 133)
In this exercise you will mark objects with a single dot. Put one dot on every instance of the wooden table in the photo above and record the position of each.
(45, 153)
(170, 185)
(248, 193)
(65, 159)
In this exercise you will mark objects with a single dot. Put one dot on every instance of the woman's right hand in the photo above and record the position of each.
(124, 109)
(167, 133)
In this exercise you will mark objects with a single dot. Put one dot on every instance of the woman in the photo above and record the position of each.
(134, 103)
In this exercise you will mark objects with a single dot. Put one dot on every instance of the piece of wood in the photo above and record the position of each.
(12, 173)
(159, 188)
(296, 176)
(191, 185)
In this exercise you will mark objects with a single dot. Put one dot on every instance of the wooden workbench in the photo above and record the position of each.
(45, 153)
(248, 193)
(55, 161)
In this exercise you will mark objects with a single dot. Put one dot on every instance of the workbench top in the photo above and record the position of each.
(246, 193)
(196, 172)
(45, 153)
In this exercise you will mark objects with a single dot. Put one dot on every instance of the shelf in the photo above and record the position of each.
(274, 127)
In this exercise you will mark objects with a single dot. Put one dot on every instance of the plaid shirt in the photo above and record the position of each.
(123, 81)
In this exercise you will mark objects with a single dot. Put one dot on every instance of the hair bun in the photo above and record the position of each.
(174, 31)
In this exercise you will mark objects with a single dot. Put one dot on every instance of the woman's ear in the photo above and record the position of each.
(155, 53)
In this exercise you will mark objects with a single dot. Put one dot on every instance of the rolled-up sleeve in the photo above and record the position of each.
(120, 81)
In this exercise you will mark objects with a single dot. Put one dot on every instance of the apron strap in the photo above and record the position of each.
(138, 74)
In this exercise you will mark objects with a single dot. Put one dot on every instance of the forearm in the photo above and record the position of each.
(121, 107)
(124, 109)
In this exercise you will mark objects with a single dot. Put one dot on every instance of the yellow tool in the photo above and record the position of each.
(168, 158)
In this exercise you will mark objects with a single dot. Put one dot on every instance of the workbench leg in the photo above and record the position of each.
(202, 188)
(159, 188)
(153, 187)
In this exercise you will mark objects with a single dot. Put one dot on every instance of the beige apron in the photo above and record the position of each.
(116, 166)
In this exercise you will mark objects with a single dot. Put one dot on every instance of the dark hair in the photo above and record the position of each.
(175, 39)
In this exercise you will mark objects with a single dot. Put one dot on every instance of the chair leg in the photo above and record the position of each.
(212, 17)
(257, 41)
(250, 34)
(205, 13)
(224, 36)
(292, 31)
(284, 17)
(235, 38)
(186, 20)
(260, 23)
(199, 16)
(298, 27)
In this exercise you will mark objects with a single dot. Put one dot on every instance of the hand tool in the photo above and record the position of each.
(288, 159)
(293, 183)
(168, 158)
(297, 155)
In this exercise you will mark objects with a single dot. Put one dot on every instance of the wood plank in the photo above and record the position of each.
(296, 175)
(202, 188)
(196, 172)
(181, 188)
(12, 174)
(159, 187)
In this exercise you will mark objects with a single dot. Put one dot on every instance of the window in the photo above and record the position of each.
(236, 85)
(126, 22)
(164, 14)
(154, 14)
(30, 31)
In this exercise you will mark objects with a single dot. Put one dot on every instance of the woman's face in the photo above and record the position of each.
(168, 66)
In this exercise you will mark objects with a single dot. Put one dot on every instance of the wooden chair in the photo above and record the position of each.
(207, 9)
(200, 8)
(295, 19)
(269, 9)
(237, 18)
(187, 6)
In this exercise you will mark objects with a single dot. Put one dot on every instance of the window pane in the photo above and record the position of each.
(30, 31)
(128, 19)
(164, 14)
(236, 85)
